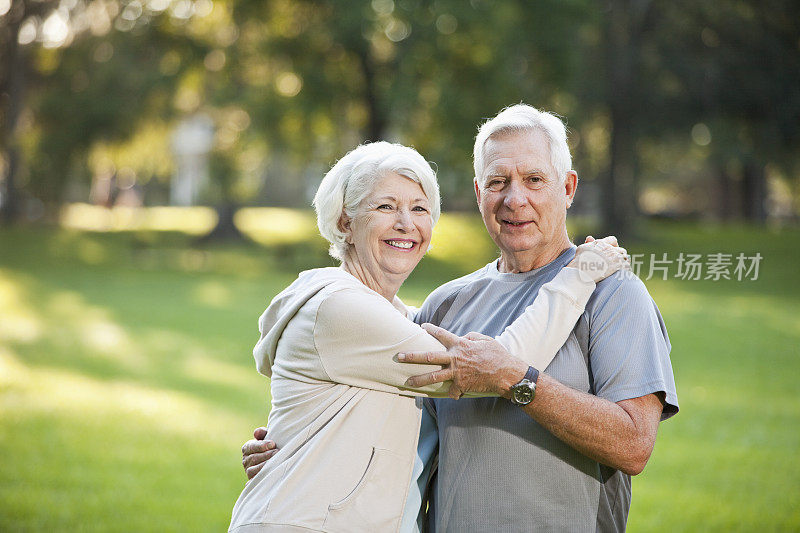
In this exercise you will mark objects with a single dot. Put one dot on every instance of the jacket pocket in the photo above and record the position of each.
(376, 502)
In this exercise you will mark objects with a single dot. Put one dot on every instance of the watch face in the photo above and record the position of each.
(522, 393)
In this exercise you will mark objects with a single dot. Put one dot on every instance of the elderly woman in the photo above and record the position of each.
(345, 423)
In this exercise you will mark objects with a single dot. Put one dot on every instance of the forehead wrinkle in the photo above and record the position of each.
(506, 145)
(503, 170)
(534, 172)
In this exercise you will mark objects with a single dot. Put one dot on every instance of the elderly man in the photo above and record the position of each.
(557, 451)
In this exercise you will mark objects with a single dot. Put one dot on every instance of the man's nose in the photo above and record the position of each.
(515, 196)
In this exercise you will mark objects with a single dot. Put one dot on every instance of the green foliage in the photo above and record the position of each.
(673, 96)
(127, 385)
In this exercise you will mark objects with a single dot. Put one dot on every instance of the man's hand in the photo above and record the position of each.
(256, 452)
(474, 362)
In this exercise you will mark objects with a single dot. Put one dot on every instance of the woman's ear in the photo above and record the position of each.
(344, 227)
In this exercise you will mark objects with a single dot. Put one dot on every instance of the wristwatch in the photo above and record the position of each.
(523, 392)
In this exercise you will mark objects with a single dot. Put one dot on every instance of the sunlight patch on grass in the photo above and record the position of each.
(112, 455)
(103, 335)
(12, 372)
(29, 391)
(191, 220)
(74, 320)
(19, 323)
(275, 225)
(213, 294)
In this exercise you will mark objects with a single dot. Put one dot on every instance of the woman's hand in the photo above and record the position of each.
(600, 258)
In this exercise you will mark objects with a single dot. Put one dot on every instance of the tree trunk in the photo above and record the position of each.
(725, 209)
(225, 230)
(12, 94)
(754, 192)
(10, 209)
(376, 121)
(619, 202)
(623, 30)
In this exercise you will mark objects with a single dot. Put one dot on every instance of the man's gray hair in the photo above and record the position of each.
(352, 178)
(520, 118)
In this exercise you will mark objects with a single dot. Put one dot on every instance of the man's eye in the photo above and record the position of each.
(495, 184)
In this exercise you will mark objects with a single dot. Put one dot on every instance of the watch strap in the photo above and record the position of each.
(532, 375)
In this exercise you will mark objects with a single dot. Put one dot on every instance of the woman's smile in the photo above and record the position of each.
(401, 244)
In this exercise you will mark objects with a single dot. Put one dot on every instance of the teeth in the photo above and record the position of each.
(401, 244)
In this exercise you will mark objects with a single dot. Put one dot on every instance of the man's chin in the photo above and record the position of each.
(515, 246)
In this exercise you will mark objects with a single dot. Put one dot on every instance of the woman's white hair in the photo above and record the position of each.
(352, 178)
(520, 118)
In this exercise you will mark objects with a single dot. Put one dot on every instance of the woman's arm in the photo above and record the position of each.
(538, 333)
(358, 335)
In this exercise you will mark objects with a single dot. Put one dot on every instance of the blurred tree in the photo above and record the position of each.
(293, 84)
(413, 71)
(72, 103)
(726, 78)
(14, 72)
(626, 25)
(109, 86)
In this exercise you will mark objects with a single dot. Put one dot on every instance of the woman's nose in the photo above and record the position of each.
(403, 221)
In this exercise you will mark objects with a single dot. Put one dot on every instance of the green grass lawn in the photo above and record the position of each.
(127, 384)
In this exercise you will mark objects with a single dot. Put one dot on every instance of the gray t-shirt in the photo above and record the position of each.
(499, 470)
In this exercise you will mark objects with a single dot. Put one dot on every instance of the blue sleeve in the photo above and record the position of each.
(425, 312)
(628, 344)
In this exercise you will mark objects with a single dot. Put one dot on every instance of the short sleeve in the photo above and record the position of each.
(358, 336)
(628, 344)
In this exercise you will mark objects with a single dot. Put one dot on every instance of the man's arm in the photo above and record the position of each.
(620, 435)
(256, 451)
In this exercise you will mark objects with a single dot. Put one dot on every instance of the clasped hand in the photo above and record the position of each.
(474, 363)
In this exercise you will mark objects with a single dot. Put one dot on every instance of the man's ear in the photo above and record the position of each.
(570, 186)
(477, 190)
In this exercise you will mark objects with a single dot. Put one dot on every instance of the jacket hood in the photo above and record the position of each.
(283, 308)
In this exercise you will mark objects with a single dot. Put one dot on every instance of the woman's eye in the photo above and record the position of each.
(420, 209)
(384, 206)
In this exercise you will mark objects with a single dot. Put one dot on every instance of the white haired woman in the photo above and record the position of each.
(344, 421)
